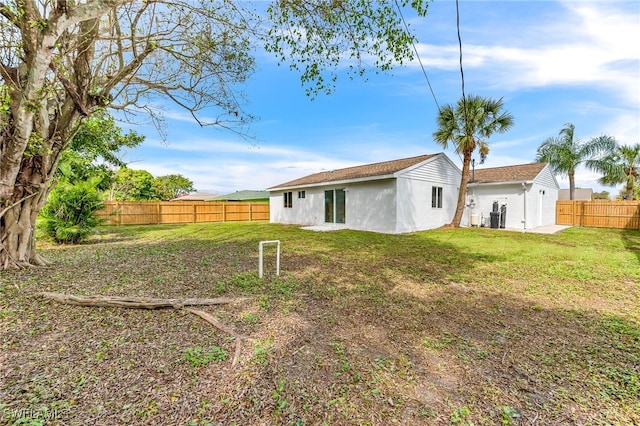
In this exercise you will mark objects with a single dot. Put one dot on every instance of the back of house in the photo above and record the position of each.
(404, 195)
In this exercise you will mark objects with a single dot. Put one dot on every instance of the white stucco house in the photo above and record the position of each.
(398, 196)
(525, 194)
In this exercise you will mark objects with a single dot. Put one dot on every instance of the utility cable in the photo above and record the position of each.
(464, 99)
(418, 56)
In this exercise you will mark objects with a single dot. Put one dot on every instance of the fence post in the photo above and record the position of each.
(117, 213)
(194, 212)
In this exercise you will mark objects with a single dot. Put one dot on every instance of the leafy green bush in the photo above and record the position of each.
(70, 213)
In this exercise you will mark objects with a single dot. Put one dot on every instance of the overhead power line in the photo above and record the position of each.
(424, 72)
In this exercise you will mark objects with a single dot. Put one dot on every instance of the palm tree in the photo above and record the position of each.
(564, 153)
(467, 126)
(620, 166)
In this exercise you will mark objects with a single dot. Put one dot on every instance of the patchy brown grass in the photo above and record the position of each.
(434, 328)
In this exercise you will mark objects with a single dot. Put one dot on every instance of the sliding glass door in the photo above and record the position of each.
(334, 206)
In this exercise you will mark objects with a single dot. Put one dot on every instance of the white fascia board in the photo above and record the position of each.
(333, 183)
(510, 182)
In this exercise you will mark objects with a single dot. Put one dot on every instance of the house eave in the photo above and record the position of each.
(509, 182)
(332, 183)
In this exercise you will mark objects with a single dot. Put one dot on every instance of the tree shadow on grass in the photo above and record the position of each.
(631, 240)
(432, 357)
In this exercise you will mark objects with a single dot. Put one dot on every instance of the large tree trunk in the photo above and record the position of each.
(45, 108)
(17, 233)
(462, 194)
(18, 218)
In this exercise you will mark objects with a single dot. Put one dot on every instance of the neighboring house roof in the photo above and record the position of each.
(197, 196)
(518, 173)
(244, 195)
(579, 194)
(385, 168)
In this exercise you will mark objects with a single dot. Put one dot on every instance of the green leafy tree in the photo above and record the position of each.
(602, 195)
(172, 186)
(60, 62)
(316, 36)
(467, 126)
(565, 153)
(70, 214)
(620, 166)
(133, 185)
(96, 149)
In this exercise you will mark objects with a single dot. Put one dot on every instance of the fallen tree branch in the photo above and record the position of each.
(150, 303)
(136, 302)
(217, 324)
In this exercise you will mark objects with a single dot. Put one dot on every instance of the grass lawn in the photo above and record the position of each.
(467, 326)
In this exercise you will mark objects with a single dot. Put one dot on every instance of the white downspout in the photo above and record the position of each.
(524, 195)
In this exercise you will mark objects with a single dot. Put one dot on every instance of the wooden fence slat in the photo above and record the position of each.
(152, 212)
(599, 214)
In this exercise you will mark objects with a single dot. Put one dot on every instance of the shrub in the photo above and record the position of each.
(70, 213)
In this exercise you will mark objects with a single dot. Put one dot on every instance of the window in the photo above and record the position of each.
(436, 197)
(302, 194)
(288, 199)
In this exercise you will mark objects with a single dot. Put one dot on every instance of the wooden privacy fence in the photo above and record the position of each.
(154, 212)
(599, 214)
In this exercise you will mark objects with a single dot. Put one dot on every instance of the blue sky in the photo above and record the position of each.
(552, 62)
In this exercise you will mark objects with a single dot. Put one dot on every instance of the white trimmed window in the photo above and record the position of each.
(436, 197)
(288, 200)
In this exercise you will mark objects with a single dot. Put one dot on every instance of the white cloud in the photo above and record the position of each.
(588, 45)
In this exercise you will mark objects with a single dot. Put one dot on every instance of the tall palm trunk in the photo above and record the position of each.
(462, 193)
(572, 186)
(630, 191)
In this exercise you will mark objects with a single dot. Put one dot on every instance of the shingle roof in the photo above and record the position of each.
(358, 172)
(244, 195)
(521, 172)
(198, 196)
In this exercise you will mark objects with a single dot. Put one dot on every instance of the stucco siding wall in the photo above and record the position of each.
(370, 206)
(545, 193)
(414, 188)
(540, 204)
(414, 205)
(542, 201)
(304, 211)
(484, 197)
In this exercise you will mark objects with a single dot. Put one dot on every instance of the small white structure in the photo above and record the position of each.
(525, 194)
(405, 195)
